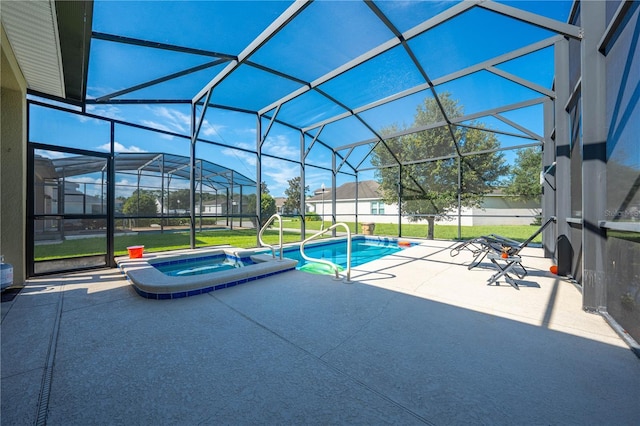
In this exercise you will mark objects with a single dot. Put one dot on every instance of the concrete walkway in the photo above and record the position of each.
(415, 339)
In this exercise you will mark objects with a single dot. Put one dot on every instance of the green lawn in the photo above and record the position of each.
(246, 238)
(442, 232)
(155, 241)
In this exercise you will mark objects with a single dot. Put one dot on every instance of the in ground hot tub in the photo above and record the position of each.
(192, 272)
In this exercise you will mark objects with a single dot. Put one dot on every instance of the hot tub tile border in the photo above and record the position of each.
(195, 292)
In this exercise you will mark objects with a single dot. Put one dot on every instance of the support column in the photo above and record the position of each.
(110, 194)
(399, 200)
(548, 181)
(564, 252)
(258, 178)
(333, 192)
(303, 177)
(594, 155)
(192, 175)
(357, 198)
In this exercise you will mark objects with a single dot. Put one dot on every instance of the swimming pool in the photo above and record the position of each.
(175, 275)
(363, 250)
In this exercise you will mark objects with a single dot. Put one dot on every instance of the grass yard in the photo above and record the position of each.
(156, 241)
(441, 232)
(246, 238)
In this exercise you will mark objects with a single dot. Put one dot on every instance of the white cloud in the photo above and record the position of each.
(280, 146)
(157, 125)
(278, 176)
(209, 129)
(108, 111)
(242, 156)
(118, 147)
(85, 179)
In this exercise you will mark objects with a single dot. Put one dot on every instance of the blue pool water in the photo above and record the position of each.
(363, 250)
(201, 265)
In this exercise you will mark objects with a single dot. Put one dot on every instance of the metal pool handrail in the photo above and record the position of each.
(262, 243)
(326, 262)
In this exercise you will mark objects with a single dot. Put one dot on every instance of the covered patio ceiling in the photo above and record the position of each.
(346, 74)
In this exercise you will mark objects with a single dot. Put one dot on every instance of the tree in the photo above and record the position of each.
(429, 188)
(178, 199)
(524, 183)
(263, 188)
(267, 205)
(292, 203)
(141, 203)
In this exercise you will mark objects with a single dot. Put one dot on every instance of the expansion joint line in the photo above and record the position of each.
(45, 386)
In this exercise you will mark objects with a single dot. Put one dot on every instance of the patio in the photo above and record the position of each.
(416, 338)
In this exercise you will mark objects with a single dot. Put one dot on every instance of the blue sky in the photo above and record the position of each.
(324, 36)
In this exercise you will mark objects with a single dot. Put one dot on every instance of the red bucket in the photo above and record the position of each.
(135, 252)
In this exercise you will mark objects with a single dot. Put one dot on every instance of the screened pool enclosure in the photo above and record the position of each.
(180, 120)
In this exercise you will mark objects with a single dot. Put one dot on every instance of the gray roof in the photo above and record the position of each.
(366, 190)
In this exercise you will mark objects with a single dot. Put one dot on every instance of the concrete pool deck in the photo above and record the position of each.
(415, 339)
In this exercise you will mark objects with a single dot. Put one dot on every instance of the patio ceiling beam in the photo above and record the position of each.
(414, 32)
(360, 119)
(499, 132)
(452, 156)
(523, 129)
(440, 18)
(456, 120)
(344, 160)
(366, 156)
(498, 110)
(287, 16)
(432, 88)
(523, 82)
(441, 80)
(523, 51)
(159, 80)
(566, 30)
(276, 72)
(244, 110)
(313, 141)
(157, 45)
(177, 169)
(155, 158)
(336, 72)
(137, 101)
(199, 120)
(263, 138)
(504, 148)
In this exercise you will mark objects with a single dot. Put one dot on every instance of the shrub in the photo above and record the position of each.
(312, 217)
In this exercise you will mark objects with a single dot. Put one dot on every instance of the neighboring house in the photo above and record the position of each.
(370, 207)
(279, 203)
(211, 207)
(496, 208)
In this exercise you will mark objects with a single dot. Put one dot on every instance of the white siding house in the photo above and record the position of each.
(497, 209)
